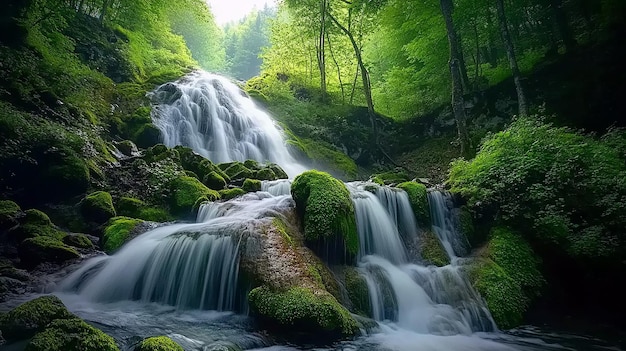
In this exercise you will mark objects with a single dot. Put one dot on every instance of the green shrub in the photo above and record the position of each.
(158, 343)
(327, 209)
(117, 233)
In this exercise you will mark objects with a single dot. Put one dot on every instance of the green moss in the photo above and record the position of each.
(31, 317)
(266, 174)
(36, 217)
(153, 214)
(214, 181)
(278, 171)
(327, 156)
(432, 251)
(358, 292)
(69, 176)
(117, 232)
(147, 136)
(326, 206)
(8, 211)
(282, 229)
(80, 241)
(44, 249)
(392, 177)
(129, 206)
(126, 147)
(418, 197)
(185, 192)
(71, 335)
(191, 161)
(301, 309)
(229, 194)
(97, 207)
(158, 343)
(251, 185)
(27, 231)
(466, 221)
(236, 170)
(252, 165)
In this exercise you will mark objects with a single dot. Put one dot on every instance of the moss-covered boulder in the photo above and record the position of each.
(467, 228)
(358, 292)
(117, 232)
(80, 241)
(278, 171)
(97, 207)
(36, 217)
(135, 208)
(214, 181)
(266, 174)
(507, 276)
(229, 194)
(158, 343)
(67, 176)
(432, 251)
(251, 185)
(71, 335)
(127, 148)
(40, 249)
(185, 192)
(326, 207)
(390, 178)
(147, 136)
(253, 165)
(31, 317)
(34, 224)
(300, 309)
(9, 211)
(418, 197)
(236, 170)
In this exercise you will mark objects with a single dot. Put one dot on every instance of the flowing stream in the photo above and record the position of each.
(182, 280)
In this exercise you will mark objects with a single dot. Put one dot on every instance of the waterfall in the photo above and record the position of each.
(190, 266)
(443, 219)
(277, 187)
(213, 116)
(423, 299)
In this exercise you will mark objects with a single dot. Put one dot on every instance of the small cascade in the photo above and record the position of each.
(443, 219)
(190, 266)
(423, 299)
(214, 117)
(277, 187)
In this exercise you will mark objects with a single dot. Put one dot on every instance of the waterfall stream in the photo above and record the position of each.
(167, 280)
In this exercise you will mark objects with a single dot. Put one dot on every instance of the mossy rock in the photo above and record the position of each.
(266, 174)
(251, 185)
(118, 232)
(253, 165)
(466, 224)
(328, 212)
(229, 194)
(127, 148)
(432, 251)
(80, 241)
(97, 207)
(36, 217)
(67, 177)
(44, 249)
(135, 208)
(301, 309)
(236, 170)
(278, 171)
(71, 335)
(33, 316)
(158, 343)
(185, 192)
(193, 162)
(161, 152)
(390, 178)
(28, 231)
(9, 211)
(147, 136)
(214, 181)
(358, 292)
(418, 197)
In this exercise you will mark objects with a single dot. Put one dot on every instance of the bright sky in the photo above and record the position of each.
(226, 11)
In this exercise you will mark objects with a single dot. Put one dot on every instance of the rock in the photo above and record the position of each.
(147, 136)
(117, 232)
(278, 171)
(418, 197)
(158, 343)
(251, 185)
(186, 191)
(98, 207)
(67, 177)
(127, 148)
(36, 217)
(432, 251)
(231, 193)
(41, 249)
(326, 207)
(236, 170)
(357, 290)
(214, 181)
(71, 335)
(80, 241)
(390, 178)
(253, 165)
(129, 206)
(266, 174)
(31, 317)
(9, 212)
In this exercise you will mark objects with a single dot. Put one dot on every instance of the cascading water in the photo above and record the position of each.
(211, 115)
(441, 212)
(429, 300)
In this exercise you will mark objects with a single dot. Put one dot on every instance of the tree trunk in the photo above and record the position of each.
(321, 52)
(510, 51)
(367, 89)
(332, 54)
(458, 105)
(560, 19)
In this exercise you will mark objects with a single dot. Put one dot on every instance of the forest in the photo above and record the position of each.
(316, 175)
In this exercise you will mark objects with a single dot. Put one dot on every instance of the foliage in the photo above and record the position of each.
(31, 317)
(302, 309)
(327, 209)
(418, 197)
(71, 334)
(117, 233)
(568, 186)
(158, 343)
(98, 207)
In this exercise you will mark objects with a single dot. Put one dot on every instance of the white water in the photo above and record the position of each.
(214, 117)
(441, 213)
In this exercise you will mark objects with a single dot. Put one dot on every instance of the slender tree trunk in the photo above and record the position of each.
(458, 105)
(560, 19)
(321, 52)
(510, 51)
(332, 54)
(365, 78)
(356, 77)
